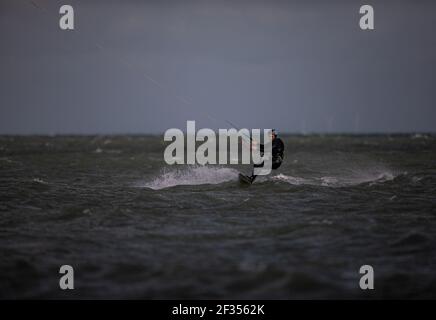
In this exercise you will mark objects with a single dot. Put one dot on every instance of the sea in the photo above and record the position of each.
(133, 227)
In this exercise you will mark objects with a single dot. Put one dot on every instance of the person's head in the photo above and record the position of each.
(273, 134)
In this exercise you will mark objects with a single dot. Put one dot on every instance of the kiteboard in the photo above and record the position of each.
(245, 180)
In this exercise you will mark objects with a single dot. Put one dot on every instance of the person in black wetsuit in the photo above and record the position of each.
(277, 150)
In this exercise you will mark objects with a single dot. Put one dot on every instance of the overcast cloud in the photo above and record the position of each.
(146, 66)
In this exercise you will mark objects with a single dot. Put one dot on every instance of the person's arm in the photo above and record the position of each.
(277, 149)
(280, 148)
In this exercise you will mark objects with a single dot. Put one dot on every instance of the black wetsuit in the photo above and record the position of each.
(277, 150)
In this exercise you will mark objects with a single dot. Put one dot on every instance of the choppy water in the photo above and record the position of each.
(134, 228)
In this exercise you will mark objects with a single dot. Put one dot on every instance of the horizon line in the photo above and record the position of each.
(289, 133)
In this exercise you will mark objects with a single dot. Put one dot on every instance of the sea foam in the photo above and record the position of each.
(195, 175)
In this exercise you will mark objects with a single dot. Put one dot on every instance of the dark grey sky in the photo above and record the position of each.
(145, 66)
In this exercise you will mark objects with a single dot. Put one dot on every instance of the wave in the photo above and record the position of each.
(39, 180)
(196, 175)
(202, 175)
(337, 181)
(291, 180)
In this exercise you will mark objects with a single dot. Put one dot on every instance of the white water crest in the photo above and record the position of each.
(339, 180)
(195, 175)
